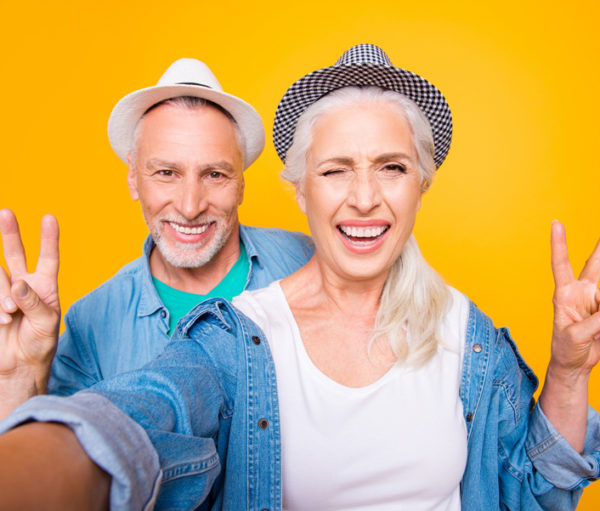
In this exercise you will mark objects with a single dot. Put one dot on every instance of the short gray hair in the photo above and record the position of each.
(295, 161)
(191, 103)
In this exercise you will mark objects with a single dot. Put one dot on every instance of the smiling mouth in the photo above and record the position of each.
(188, 229)
(363, 235)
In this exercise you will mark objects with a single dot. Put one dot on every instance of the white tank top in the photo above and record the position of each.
(399, 443)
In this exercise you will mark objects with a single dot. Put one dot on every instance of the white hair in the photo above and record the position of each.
(414, 297)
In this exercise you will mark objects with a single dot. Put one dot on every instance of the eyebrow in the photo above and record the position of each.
(343, 160)
(392, 156)
(222, 164)
(337, 159)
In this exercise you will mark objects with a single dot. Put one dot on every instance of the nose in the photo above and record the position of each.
(193, 199)
(365, 192)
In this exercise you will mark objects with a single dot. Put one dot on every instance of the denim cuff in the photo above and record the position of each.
(110, 438)
(555, 459)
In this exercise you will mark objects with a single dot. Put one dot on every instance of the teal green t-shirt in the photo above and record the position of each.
(179, 303)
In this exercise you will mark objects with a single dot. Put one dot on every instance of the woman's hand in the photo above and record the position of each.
(575, 340)
(29, 313)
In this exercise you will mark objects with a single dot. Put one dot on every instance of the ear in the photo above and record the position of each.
(300, 197)
(131, 179)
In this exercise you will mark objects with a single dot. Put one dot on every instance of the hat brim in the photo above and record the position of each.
(129, 110)
(310, 88)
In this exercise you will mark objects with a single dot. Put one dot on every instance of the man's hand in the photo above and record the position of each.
(575, 340)
(29, 313)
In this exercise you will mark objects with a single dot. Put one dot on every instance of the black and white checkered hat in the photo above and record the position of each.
(363, 65)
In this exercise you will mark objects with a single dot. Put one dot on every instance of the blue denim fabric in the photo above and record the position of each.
(210, 437)
(123, 324)
(503, 427)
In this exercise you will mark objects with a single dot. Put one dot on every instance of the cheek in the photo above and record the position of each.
(156, 197)
(405, 201)
(149, 196)
(226, 200)
(323, 200)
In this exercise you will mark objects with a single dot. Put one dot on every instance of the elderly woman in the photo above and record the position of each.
(361, 381)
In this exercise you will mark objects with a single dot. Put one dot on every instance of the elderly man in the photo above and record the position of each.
(186, 143)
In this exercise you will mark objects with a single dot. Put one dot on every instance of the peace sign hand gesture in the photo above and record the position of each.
(29, 313)
(575, 340)
(576, 334)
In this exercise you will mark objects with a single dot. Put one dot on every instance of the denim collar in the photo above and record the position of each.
(150, 302)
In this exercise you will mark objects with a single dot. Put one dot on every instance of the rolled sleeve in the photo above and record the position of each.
(555, 459)
(110, 438)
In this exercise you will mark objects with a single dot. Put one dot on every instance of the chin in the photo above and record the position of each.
(364, 271)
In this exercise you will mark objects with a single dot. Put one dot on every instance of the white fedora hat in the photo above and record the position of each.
(185, 77)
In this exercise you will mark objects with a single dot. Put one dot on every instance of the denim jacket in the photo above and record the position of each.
(127, 308)
(205, 433)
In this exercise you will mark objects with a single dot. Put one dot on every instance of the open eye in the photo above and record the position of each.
(395, 167)
(215, 174)
(165, 172)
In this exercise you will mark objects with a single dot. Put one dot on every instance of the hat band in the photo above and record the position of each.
(194, 83)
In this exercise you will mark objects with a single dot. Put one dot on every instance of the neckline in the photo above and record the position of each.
(300, 348)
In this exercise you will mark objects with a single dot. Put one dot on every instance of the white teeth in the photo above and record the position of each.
(189, 230)
(363, 232)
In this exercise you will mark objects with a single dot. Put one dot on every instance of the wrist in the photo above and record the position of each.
(18, 387)
(567, 377)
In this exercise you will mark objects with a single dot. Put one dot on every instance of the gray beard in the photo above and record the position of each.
(186, 256)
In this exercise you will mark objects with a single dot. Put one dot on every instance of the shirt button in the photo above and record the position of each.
(263, 423)
(256, 339)
(469, 417)
(163, 314)
(477, 348)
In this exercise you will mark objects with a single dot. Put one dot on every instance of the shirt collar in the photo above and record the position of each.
(150, 302)
(249, 245)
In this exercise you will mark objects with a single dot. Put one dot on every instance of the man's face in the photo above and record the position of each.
(187, 175)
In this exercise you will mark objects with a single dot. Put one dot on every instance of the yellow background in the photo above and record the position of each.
(521, 79)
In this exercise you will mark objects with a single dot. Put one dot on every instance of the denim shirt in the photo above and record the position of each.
(212, 441)
(123, 324)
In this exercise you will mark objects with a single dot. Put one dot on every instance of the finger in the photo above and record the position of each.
(591, 270)
(14, 253)
(40, 315)
(589, 328)
(7, 304)
(48, 259)
(561, 268)
(5, 319)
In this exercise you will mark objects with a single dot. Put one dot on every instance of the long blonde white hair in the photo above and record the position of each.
(414, 297)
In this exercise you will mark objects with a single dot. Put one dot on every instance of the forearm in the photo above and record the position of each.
(44, 467)
(564, 400)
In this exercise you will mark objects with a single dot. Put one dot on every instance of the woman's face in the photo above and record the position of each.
(362, 189)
